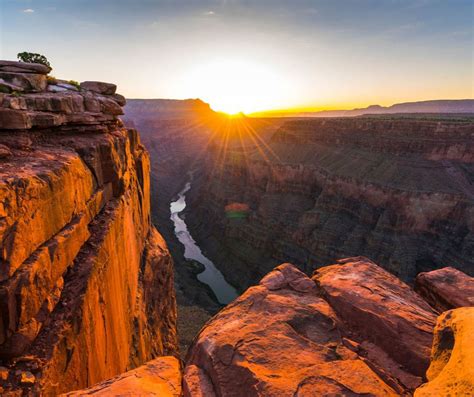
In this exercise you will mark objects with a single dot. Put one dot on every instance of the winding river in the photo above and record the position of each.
(211, 276)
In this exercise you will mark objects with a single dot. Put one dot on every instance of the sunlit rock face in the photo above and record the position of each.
(86, 283)
(395, 190)
(159, 377)
(451, 372)
(353, 329)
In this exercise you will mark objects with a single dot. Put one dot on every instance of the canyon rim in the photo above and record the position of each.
(236, 199)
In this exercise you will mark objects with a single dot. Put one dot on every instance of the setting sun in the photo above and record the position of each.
(234, 86)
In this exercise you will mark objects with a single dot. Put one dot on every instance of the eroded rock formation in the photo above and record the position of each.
(352, 329)
(451, 372)
(86, 283)
(398, 191)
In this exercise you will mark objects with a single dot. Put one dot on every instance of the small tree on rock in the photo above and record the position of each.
(31, 57)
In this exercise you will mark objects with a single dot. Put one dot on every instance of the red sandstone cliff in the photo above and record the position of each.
(86, 283)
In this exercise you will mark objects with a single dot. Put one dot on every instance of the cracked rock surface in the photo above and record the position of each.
(296, 336)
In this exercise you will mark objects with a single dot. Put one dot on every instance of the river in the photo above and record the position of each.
(211, 276)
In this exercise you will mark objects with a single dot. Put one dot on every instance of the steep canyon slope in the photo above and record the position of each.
(397, 190)
(86, 282)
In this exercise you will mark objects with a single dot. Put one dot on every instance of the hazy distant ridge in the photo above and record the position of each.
(434, 106)
(165, 108)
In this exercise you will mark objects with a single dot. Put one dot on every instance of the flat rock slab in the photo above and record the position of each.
(99, 87)
(381, 309)
(160, 377)
(446, 288)
(24, 67)
(26, 81)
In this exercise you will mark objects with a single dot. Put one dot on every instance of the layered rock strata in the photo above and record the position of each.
(398, 191)
(86, 283)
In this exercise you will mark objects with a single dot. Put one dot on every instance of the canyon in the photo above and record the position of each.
(329, 256)
(398, 191)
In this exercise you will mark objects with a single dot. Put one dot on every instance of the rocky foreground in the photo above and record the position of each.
(86, 282)
(352, 329)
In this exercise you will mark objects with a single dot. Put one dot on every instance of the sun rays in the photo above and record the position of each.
(232, 140)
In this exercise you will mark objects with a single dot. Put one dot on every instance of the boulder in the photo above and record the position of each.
(109, 106)
(446, 288)
(160, 377)
(25, 81)
(120, 99)
(451, 372)
(92, 104)
(24, 67)
(381, 309)
(14, 119)
(281, 338)
(99, 87)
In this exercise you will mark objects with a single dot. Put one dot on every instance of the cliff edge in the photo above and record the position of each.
(86, 282)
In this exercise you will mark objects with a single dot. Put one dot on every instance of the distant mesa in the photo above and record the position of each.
(166, 109)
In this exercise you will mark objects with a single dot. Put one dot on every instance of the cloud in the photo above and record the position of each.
(28, 11)
(209, 13)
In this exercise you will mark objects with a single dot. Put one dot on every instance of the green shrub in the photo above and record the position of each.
(31, 57)
(75, 84)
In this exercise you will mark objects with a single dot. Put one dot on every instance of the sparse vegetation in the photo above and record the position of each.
(31, 57)
(75, 84)
(52, 80)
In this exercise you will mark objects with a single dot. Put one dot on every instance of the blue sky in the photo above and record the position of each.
(321, 54)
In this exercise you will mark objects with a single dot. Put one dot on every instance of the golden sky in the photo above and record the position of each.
(242, 55)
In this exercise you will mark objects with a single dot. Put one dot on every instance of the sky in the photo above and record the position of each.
(243, 55)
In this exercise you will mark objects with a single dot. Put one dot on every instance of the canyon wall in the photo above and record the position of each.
(396, 190)
(86, 282)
